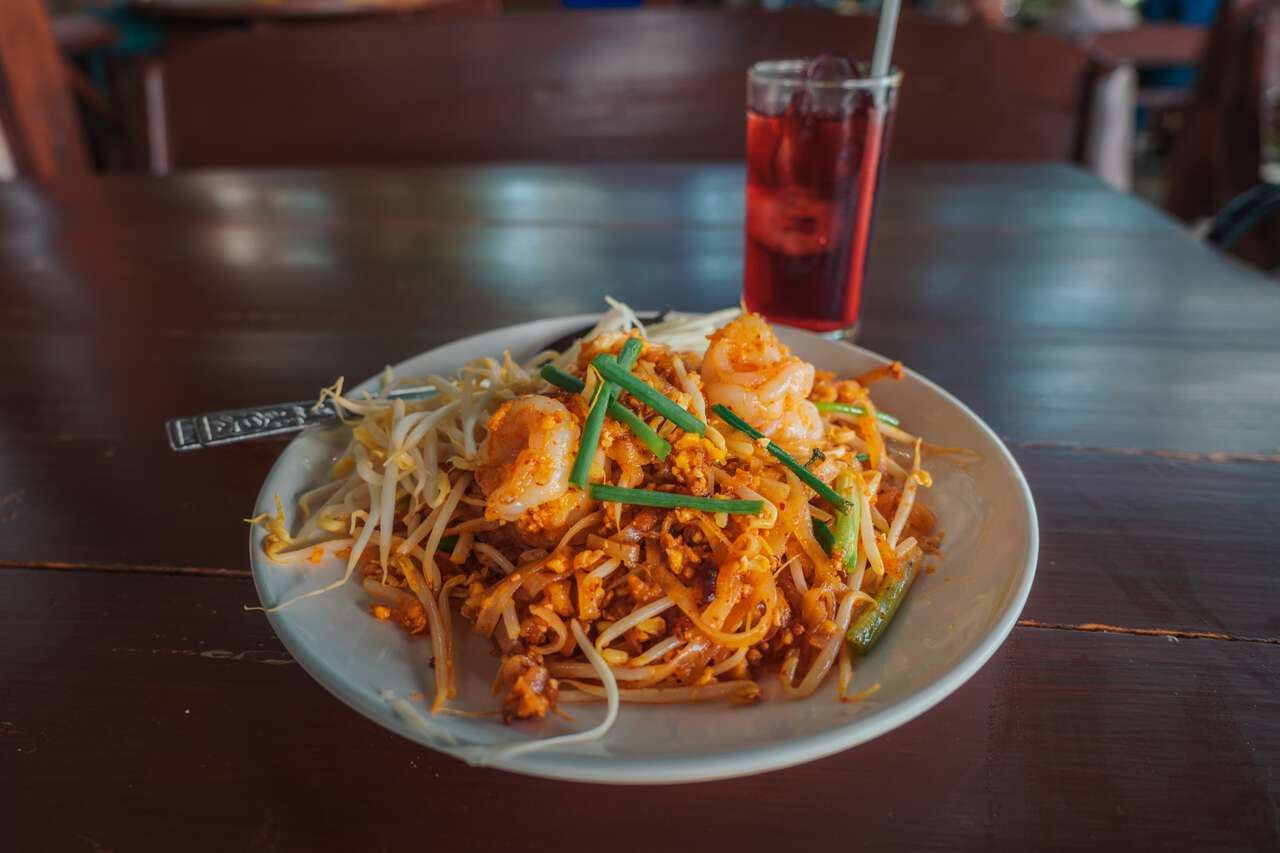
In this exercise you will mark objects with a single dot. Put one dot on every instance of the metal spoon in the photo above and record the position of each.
(235, 425)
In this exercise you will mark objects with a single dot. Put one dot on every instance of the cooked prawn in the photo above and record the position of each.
(749, 370)
(526, 458)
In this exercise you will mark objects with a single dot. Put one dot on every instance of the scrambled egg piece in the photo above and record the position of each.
(528, 688)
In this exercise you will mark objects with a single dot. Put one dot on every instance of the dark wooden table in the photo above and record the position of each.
(279, 10)
(1135, 374)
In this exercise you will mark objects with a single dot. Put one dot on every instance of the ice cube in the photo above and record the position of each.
(791, 221)
(830, 68)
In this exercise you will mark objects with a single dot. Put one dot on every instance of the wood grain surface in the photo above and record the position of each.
(591, 85)
(1132, 372)
(223, 11)
(1064, 740)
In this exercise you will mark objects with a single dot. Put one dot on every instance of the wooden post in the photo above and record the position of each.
(36, 110)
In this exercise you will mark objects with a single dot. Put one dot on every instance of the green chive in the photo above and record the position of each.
(641, 430)
(605, 392)
(825, 537)
(648, 436)
(846, 537)
(672, 500)
(870, 625)
(560, 379)
(827, 493)
(448, 543)
(638, 388)
(590, 436)
(855, 409)
(630, 353)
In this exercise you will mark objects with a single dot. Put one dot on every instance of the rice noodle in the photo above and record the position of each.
(582, 524)
(907, 500)
(657, 650)
(692, 656)
(797, 575)
(869, 429)
(627, 552)
(731, 662)
(496, 599)
(867, 536)
(605, 569)
(821, 663)
(733, 691)
(538, 580)
(844, 672)
(796, 518)
(685, 601)
(697, 404)
(474, 525)
(446, 621)
(821, 514)
(770, 517)
(510, 622)
(585, 670)
(634, 618)
(440, 652)
(556, 624)
(854, 441)
(611, 714)
(495, 555)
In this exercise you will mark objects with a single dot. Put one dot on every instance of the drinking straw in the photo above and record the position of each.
(885, 31)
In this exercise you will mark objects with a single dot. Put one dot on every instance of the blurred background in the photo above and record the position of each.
(1177, 101)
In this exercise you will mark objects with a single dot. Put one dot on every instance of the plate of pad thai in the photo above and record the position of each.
(693, 549)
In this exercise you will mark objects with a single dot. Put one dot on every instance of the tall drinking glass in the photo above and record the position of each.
(817, 134)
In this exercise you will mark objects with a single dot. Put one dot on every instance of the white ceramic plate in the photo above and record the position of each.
(949, 626)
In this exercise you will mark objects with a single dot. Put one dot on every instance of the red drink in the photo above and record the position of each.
(812, 178)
